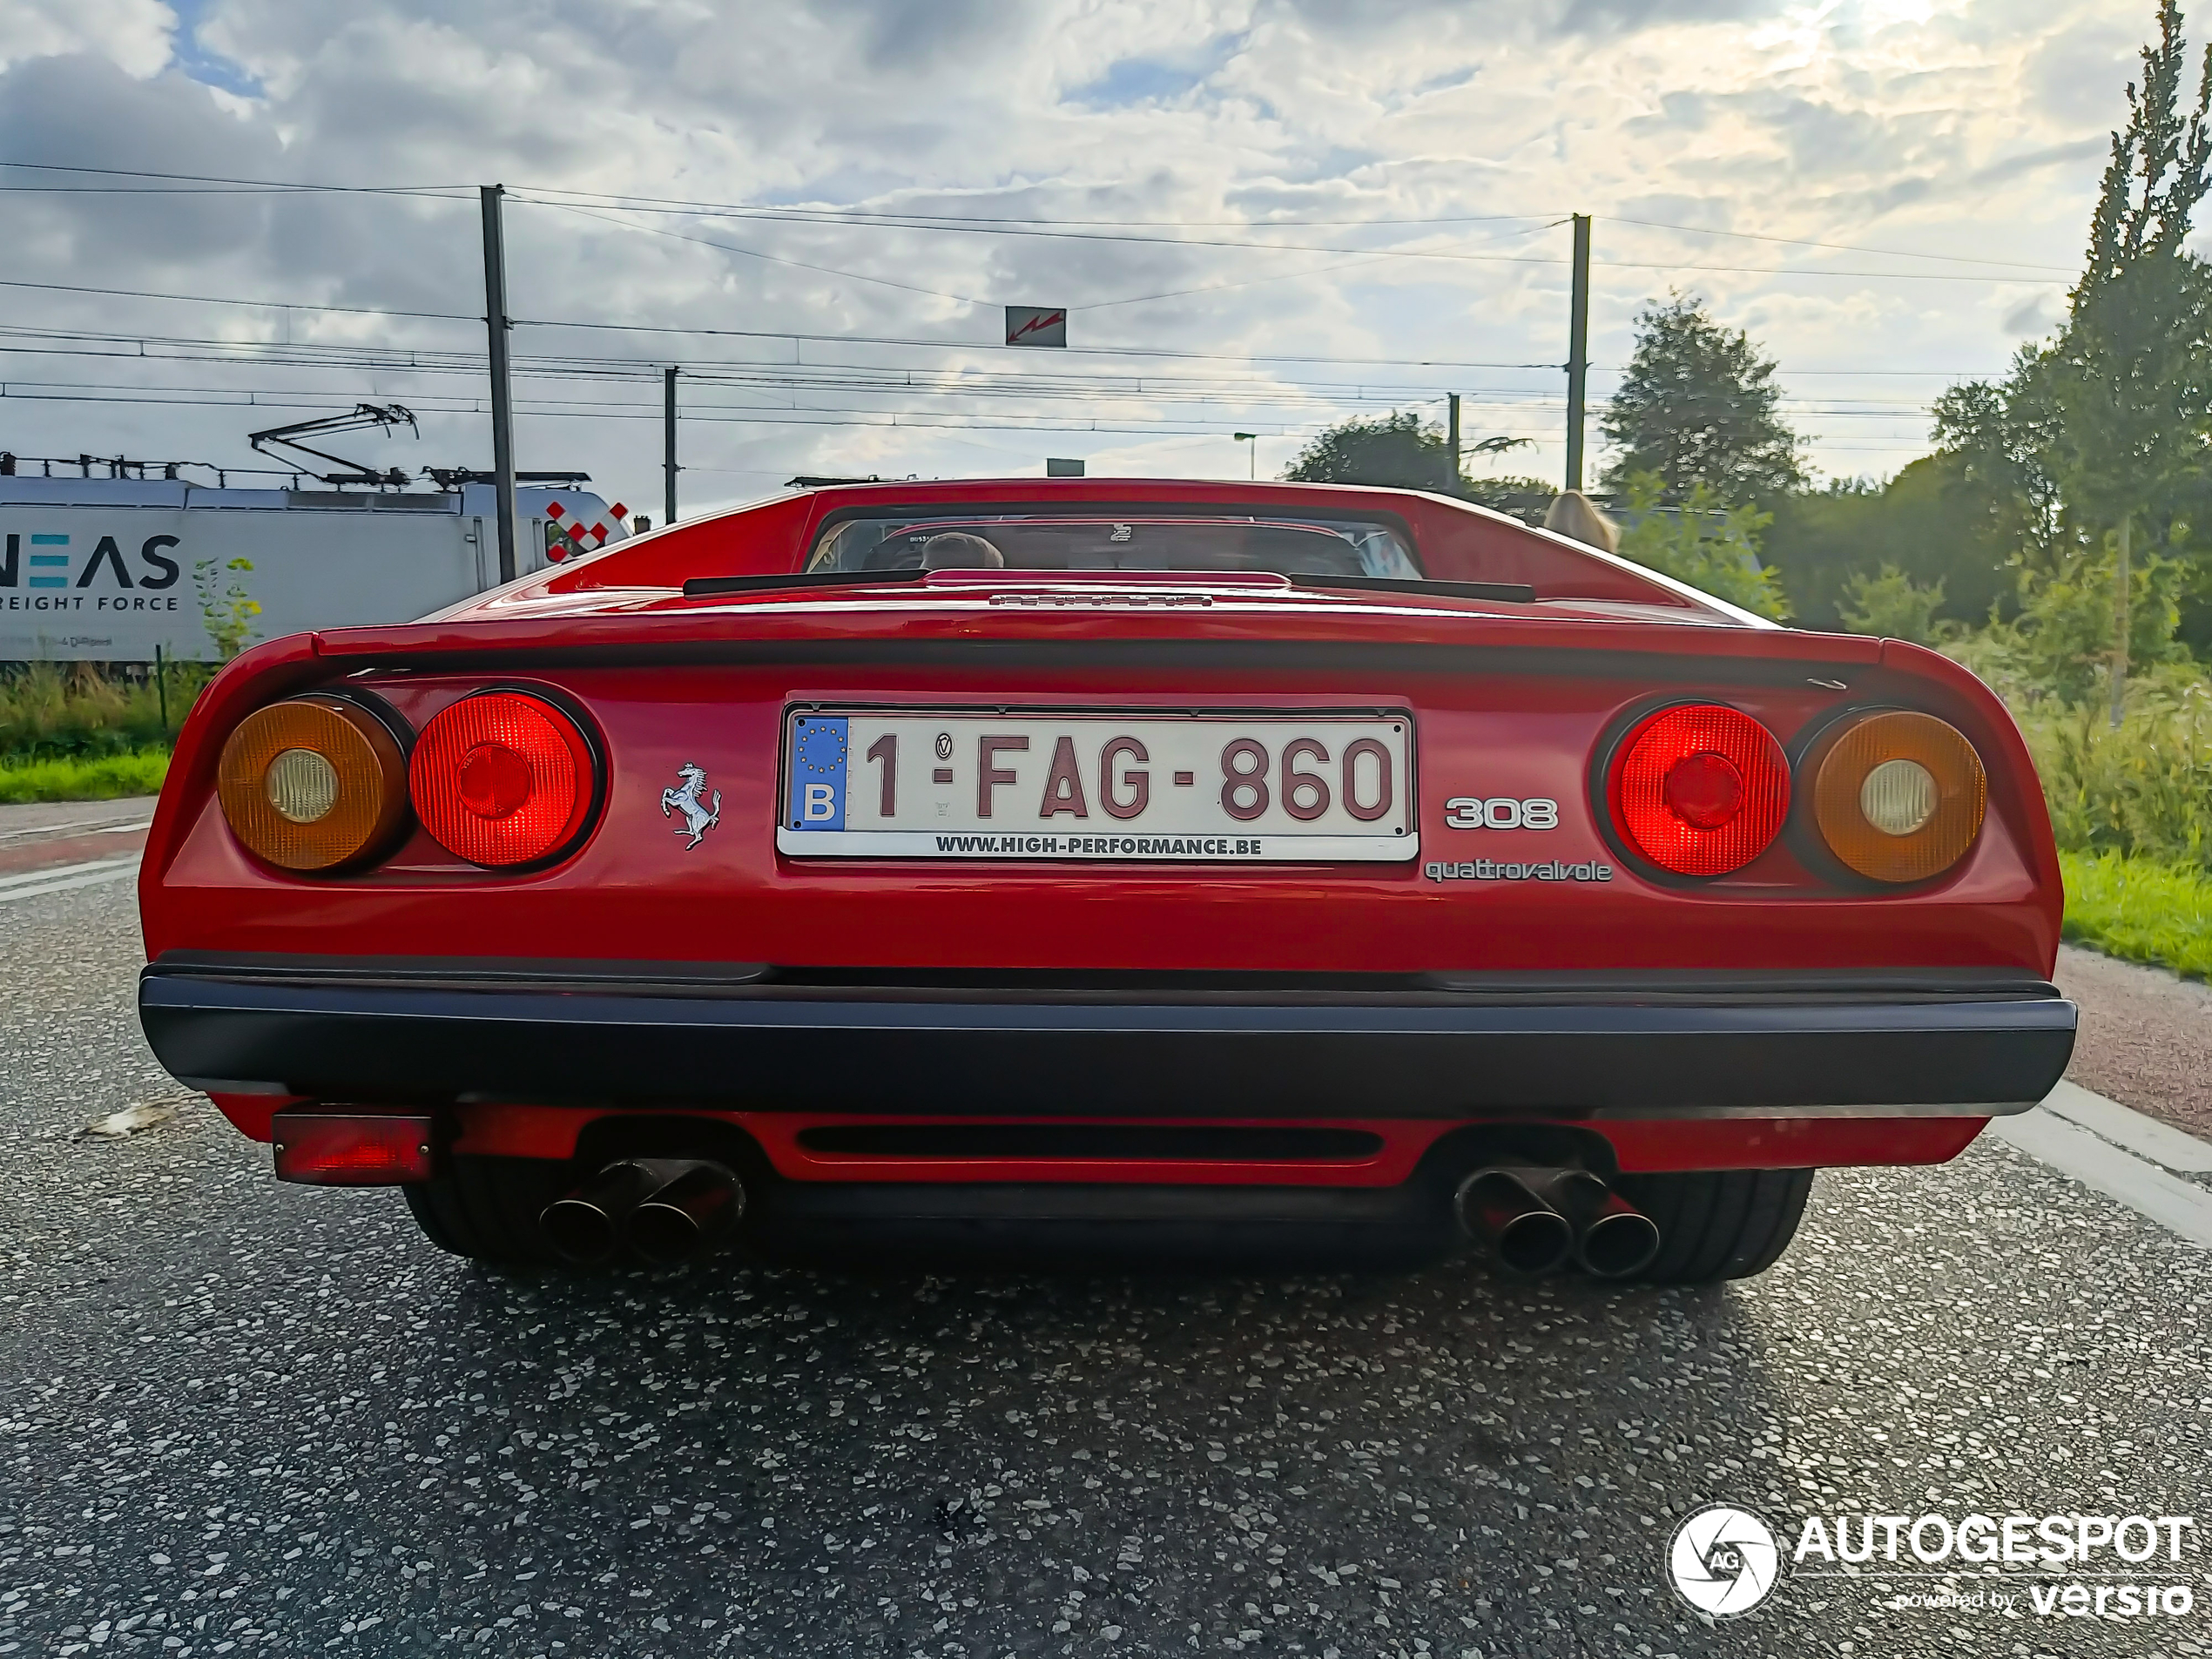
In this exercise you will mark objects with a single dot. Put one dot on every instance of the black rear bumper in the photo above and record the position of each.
(1571, 1045)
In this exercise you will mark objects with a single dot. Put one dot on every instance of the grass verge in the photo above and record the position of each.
(96, 778)
(2144, 910)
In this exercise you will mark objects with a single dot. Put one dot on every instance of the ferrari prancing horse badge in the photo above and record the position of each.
(699, 818)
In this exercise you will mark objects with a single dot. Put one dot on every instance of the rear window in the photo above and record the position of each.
(1117, 542)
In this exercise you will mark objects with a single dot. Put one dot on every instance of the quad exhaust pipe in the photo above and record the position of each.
(665, 1211)
(1537, 1220)
(1503, 1211)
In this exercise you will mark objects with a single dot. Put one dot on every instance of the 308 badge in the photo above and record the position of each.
(1500, 813)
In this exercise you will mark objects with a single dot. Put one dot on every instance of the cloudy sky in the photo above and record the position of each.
(1263, 214)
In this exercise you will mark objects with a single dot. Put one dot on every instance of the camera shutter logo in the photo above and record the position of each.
(1723, 1561)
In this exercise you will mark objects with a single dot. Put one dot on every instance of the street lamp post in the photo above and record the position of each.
(1253, 438)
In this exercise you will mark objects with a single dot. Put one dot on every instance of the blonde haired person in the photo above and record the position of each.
(1571, 515)
(958, 551)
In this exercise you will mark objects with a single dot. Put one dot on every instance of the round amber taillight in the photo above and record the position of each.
(313, 783)
(1700, 789)
(1899, 796)
(501, 778)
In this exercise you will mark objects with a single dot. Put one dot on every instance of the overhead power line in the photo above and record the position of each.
(403, 359)
(897, 217)
(458, 193)
(715, 415)
(210, 299)
(1086, 229)
(1843, 247)
(1100, 236)
(755, 253)
(749, 333)
(1456, 257)
(939, 293)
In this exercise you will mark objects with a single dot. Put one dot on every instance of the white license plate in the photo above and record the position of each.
(1113, 787)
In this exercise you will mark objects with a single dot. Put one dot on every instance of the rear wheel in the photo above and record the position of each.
(1718, 1224)
(487, 1209)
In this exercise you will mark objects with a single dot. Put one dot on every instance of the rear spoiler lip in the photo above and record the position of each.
(1657, 668)
(701, 587)
(644, 635)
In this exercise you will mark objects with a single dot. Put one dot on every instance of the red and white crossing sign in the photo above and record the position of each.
(1037, 325)
(561, 540)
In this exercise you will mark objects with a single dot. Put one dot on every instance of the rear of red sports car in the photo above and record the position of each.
(1103, 864)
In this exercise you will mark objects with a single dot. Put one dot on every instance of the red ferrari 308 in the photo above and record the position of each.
(1103, 864)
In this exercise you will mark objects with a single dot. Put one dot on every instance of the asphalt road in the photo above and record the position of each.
(240, 1416)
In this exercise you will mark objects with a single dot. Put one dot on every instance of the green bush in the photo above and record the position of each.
(80, 777)
(1712, 546)
(2141, 789)
(2062, 638)
(52, 710)
(1893, 606)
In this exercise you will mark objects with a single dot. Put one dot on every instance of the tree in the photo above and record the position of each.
(1698, 406)
(1393, 452)
(2103, 431)
(1936, 523)
(1999, 440)
(1526, 499)
(2131, 376)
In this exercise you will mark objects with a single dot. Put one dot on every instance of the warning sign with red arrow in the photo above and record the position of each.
(1037, 325)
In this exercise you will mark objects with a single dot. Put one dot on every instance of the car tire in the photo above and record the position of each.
(487, 1209)
(1715, 1225)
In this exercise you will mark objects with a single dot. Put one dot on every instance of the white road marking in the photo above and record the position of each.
(2052, 1134)
(2145, 1136)
(69, 832)
(64, 877)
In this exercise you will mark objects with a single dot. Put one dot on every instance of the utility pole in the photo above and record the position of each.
(668, 441)
(1452, 437)
(502, 390)
(1578, 351)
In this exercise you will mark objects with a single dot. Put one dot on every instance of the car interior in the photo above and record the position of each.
(1290, 548)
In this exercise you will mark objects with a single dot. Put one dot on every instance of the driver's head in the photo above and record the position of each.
(958, 551)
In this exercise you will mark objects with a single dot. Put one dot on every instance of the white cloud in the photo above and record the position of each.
(1973, 129)
(133, 34)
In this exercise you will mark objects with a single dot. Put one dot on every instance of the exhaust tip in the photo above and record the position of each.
(579, 1231)
(1613, 1239)
(1504, 1213)
(1538, 1243)
(688, 1214)
(1619, 1243)
(584, 1227)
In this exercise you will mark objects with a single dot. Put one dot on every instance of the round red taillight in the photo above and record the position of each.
(1700, 789)
(501, 778)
